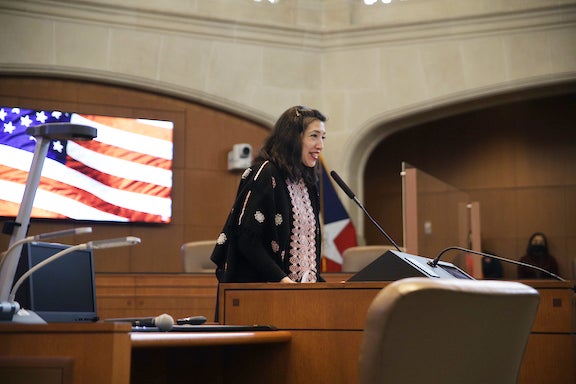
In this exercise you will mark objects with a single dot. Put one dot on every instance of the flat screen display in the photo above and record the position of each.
(61, 291)
(123, 175)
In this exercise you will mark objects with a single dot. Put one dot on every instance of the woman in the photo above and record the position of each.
(537, 254)
(273, 233)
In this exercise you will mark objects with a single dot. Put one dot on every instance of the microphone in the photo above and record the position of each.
(98, 244)
(9, 263)
(65, 232)
(43, 236)
(344, 187)
(434, 263)
(352, 196)
(112, 243)
(164, 322)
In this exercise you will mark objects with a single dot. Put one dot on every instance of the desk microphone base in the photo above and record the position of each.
(24, 316)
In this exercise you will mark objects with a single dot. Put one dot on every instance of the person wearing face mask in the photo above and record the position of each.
(272, 233)
(537, 254)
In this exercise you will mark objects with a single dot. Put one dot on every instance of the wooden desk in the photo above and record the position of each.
(200, 339)
(549, 355)
(227, 357)
(327, 319)
(98, 352)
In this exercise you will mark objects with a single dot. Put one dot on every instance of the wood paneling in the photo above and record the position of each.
(96, 353)
(327, 319)
(318, 323)
(100, 352)
(150, 295)
(45, 370)
(203, 188)
(517, 160)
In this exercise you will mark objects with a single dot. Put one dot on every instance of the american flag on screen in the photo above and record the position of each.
(123, 175)
(338, 232)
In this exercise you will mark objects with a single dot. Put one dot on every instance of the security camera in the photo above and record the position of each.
(240, 157)
(242, 151)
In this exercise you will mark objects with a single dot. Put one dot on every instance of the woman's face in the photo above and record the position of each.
(313, 142)
(538, 240)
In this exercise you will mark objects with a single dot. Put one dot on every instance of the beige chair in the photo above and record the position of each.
(356, 258)
(447, 331)
(196, 256)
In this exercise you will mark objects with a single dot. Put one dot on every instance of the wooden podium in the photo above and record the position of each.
(326, 321)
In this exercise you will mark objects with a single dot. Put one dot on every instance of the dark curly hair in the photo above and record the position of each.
(284, 146)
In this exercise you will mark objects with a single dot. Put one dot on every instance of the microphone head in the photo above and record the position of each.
(342, 185)
(112, 243)
(65, 232)
(83, 230)
(164, 322)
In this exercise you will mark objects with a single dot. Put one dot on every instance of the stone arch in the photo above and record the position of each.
(374, 131)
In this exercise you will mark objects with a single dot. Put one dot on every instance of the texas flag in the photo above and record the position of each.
(339, 233)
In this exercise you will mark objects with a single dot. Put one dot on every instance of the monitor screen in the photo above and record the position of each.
(123, 175)
(61, 291)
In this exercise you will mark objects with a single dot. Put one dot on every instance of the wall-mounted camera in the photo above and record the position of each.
(240, 157)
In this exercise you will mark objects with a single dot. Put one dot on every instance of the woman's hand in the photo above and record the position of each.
(287, 280)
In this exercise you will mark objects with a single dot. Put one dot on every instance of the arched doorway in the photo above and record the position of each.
(512, 152)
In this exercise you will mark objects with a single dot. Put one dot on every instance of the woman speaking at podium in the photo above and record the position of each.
(272, 233)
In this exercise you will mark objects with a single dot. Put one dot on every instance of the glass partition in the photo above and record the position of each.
(436, 216)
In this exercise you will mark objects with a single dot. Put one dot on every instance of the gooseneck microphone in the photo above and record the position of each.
(8, 265)
(64, 232)
(97, 244)
(44, 236)
(352, 196)
(434, 263)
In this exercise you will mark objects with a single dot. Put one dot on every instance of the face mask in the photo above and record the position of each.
(537, 249)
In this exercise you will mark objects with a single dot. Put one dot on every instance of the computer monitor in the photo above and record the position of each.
(61, 291)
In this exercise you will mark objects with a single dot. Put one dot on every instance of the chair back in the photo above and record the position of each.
(196, 256)
(448, 331)
(354, 259)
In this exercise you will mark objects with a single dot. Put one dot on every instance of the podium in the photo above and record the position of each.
(326, 321)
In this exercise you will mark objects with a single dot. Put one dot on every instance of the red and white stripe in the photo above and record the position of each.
(124, 174)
